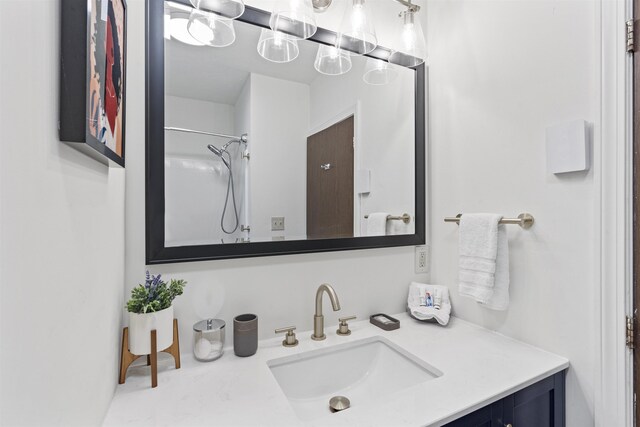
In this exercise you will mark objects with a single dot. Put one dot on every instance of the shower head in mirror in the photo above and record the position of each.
(218, 152)
(215, 150)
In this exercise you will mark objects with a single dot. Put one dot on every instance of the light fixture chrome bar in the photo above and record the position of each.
(412, 7)
(242, 138)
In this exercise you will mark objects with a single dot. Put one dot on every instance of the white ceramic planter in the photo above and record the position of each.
(141, 325)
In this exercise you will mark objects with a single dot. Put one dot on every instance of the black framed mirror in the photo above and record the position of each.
(248, 155)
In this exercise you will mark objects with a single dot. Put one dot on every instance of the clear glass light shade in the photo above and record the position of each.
(277, 47)
(230, 9)
(378, 72)
(411, 49)
(357, 34)
(332, 61)
(211, 29)
(177, 28)
(294, 18)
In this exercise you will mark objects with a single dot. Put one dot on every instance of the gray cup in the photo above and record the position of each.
(245, 335)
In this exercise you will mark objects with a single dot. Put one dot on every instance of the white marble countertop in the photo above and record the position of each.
(479, 368)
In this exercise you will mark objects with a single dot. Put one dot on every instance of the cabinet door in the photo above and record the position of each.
(540, 405)
(479, 418)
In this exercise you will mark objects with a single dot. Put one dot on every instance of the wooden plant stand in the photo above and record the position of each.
(127, 358)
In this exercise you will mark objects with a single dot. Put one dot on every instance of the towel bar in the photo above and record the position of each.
(524, 220)
(406, 218)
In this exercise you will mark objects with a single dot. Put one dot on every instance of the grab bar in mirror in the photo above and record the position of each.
(405, 217)
(524, 220)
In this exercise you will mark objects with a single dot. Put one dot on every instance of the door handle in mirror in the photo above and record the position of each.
(326, 166)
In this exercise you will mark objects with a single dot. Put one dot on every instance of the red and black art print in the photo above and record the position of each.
(106, 62)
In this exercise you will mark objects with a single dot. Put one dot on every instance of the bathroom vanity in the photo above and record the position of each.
(459, 375)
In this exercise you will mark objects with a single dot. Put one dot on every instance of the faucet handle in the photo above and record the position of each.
(290, 339)
(343, 327)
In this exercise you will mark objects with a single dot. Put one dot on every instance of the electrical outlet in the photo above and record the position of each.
(422, 259)
(277, 223)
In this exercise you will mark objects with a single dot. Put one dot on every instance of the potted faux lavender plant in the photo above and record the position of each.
(150, 307)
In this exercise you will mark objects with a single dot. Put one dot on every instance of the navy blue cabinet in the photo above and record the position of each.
(539, 405)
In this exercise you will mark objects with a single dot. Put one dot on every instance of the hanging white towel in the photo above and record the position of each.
(478, 236)
(377, 224)
(500, 298)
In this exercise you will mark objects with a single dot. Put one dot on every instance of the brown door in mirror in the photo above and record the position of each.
(330, 182)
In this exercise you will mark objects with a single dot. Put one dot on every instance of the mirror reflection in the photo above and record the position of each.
(271, 138)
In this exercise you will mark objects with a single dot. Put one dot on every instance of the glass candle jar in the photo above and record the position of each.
(208, 339)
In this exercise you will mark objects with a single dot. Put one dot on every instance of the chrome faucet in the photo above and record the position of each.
(318, 319)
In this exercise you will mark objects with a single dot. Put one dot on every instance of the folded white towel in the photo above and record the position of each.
(478, 236)
(484, 260)
(377, 224)
(417, 292)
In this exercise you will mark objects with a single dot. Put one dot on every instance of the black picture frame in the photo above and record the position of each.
(75, 75)
(157, 253)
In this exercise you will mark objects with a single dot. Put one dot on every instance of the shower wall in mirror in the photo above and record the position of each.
(259, 152)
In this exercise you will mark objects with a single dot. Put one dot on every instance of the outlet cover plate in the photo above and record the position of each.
(422, 259)
(277, 223)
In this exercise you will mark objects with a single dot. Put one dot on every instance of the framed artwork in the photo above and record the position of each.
(92, 78)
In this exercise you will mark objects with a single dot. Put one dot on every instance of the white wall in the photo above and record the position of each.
(242, 110)
(279, 124)
(500, 72)
(62, 240)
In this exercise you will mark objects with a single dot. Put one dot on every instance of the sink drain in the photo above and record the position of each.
(339, 403)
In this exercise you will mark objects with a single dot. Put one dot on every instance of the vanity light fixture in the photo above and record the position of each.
(176, 19)
(230, 9)
(320, 6)
(294, 18)
(378, 72)
(332, 61)
(178, 29)
(412, 48)
(211, 29)
(357, 34)
(275, 46)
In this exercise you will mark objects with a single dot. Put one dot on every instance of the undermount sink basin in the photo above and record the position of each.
(364, 371)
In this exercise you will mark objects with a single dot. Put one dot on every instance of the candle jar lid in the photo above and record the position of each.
(209, 325)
